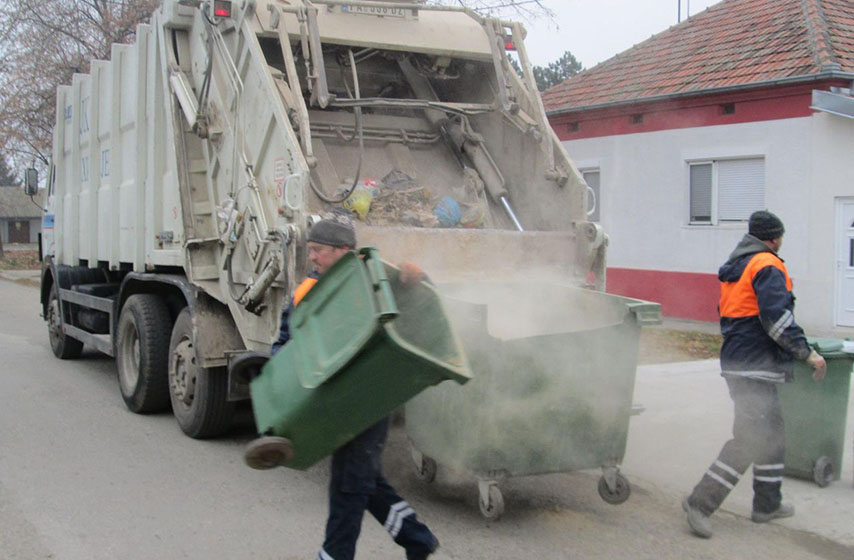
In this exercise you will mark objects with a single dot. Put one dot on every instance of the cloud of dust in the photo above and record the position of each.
(554, 374)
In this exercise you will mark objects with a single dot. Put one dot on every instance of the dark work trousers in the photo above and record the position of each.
(758, 438)
(357, 484)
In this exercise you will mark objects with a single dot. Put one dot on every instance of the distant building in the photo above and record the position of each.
(744, 106)
(20, 219)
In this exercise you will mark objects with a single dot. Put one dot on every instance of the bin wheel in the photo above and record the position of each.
(268, 452)
(426, 471)
(491, 504)
(620, 493)
(822, 471)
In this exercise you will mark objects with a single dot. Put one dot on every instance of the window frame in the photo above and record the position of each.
(598, 207)
(714, 194)
(715, 219)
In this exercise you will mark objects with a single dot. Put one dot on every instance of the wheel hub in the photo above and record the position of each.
(183, 373)
(129, 371)
(53, 323)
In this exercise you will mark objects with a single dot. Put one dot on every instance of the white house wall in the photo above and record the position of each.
(645, 198)
(832, 176)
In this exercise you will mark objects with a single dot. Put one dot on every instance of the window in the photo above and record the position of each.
(851, 249)
(591, 177)
(726, 190)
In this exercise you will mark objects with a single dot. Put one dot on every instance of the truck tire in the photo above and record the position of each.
(64, 347)
(199, 395)
(142, 346)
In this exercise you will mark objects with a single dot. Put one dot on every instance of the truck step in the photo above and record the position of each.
(198, 166)
(205, 272)
(202, 208)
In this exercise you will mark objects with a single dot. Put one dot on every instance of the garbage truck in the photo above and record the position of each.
(187, 169)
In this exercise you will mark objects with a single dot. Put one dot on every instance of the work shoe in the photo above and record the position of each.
(268, 452)
(785, 510)
(433, 554)
(697, 520)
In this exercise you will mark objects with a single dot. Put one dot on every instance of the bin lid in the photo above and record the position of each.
(335, 320)
(826, 345)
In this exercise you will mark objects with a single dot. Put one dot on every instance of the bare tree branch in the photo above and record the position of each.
(526, 10)
(43, 43)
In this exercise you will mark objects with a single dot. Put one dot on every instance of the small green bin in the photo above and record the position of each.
(362, 344)
(814, 414)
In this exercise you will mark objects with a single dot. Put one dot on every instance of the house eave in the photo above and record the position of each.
(791, 80)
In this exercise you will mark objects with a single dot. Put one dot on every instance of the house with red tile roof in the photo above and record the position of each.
(744, 106)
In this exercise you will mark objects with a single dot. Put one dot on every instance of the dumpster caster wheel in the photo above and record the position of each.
(491, 502)
(619, 494)
(268, 452)
(822, 471)
(426, 472)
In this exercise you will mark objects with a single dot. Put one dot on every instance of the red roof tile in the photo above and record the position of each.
(733, 43)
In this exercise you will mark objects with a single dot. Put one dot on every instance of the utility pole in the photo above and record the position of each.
(678, 11)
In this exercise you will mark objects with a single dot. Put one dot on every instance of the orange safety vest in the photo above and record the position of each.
(303, 289)
(738, 299)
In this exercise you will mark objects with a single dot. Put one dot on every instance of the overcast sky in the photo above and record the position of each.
(596, 30)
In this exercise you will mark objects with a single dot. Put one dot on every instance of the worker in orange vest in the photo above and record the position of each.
(357, 483)
(760, 343)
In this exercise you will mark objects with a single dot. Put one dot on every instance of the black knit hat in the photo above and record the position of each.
(336, 230)
(764, 225)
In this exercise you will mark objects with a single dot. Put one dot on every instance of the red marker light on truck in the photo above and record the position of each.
(222, 8)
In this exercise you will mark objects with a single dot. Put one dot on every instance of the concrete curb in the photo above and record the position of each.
(30, 278)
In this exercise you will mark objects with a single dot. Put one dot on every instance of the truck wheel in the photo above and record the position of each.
(199, 395)
(142, 343)
(64, 347)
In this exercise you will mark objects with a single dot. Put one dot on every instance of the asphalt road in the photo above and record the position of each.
(82, 478)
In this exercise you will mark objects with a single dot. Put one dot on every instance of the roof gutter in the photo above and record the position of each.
(821, 76)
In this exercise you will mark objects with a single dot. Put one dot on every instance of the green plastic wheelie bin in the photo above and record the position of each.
(362, 344)
(552, 392)
(814, 414)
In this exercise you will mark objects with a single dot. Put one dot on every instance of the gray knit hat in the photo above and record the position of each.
(335, 229)
(764, 225)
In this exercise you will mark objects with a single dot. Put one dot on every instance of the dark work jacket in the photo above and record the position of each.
(760, 336)
(284, 328)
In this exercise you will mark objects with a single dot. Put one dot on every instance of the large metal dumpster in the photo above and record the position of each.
(814, 414)
(554, 377)
(361, 345)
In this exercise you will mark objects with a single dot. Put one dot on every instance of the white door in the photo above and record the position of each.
(845, 262)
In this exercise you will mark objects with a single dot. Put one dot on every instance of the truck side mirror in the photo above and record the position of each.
(31, 181)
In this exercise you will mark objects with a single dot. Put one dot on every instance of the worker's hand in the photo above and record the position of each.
(819, 366)
(410, 274)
